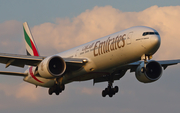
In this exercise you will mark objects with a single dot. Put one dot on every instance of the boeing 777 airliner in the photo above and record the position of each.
(103, 60)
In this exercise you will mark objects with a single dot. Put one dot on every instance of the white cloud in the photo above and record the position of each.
(23, 91)
(29, 92)
(11, 37)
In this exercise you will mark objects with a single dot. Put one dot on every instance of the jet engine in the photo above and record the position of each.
(51, 67)
(149, 72)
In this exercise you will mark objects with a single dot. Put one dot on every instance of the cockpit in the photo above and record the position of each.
(150, 33)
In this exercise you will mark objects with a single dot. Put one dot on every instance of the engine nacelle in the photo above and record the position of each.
(151, 73)
(52, 67)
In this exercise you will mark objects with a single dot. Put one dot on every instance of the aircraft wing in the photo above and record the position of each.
(119, 72)
(22, 60)
(19, 60)
(167, 63)
(163, 63)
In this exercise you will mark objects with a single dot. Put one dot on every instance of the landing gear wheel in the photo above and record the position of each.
(110, 94)
(50, 91)
(116, 89)
(57, 92)
(56, 89)
(110, 91)
(62, 87)
(104, 93)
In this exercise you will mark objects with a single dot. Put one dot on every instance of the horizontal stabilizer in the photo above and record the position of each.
(13, 73)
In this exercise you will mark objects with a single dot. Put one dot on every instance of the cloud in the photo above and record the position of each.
(29, 92)
(22, 91)
(84, 90)
(11, 37)
(90, 91)
(10, 28)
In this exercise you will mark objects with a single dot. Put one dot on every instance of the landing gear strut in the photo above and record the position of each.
(145, 58)
(110, 90)
(57, 89)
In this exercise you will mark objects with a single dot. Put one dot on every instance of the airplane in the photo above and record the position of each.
(103, 60)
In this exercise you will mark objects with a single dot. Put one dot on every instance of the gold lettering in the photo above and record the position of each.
(119, 40)
(109, 44)
(100, 48)
(112, 45)
(116, 41)
(96, 54)
(102, 44)
(123, 40)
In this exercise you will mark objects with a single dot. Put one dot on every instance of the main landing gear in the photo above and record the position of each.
(110, 90)
(57, 89)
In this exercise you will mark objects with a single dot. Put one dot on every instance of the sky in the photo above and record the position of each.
(59, 25)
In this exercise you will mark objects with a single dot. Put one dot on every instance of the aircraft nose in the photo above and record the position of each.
(155, 41)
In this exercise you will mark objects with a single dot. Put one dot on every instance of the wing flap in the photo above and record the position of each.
(74, 63)
(75, 60)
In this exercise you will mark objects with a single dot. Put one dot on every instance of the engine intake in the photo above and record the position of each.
(52, 67)
(56, 66)
(151, 73)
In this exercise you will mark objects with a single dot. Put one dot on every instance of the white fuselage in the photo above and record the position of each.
(108, 53)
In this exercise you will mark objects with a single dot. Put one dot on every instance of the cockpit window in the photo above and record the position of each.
(150, 33)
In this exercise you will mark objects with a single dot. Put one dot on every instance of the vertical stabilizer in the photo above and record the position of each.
(31, 47)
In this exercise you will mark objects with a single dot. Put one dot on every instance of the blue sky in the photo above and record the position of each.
(59, 25)
(37, 12)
